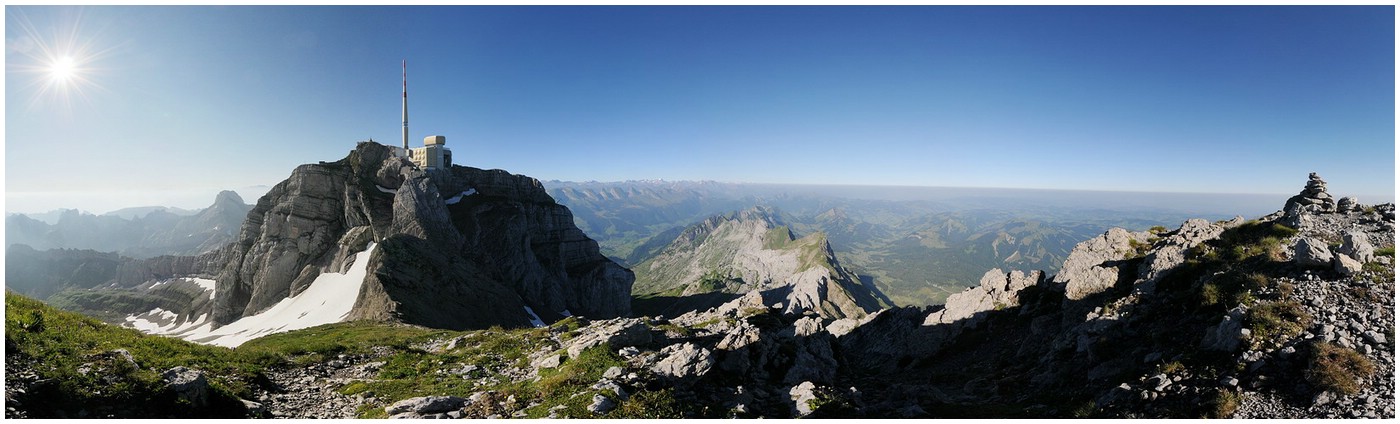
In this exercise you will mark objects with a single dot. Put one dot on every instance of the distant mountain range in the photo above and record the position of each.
(916, 244)
(140, 232)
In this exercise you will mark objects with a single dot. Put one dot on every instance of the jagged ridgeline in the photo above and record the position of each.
(725, 256)
(452, 248)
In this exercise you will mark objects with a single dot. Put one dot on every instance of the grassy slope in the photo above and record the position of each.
(56, 344)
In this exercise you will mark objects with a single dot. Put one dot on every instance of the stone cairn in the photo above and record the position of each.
(1315, 193)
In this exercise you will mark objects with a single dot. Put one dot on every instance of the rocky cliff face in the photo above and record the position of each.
(751, 251)
(458, 248)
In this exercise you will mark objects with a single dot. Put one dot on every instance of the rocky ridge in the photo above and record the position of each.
(752, 250)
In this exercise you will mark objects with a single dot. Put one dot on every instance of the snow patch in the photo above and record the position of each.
(327, 300)
(204, 283)
(154, 320)
(566, 313)
(385, 189)
(459, 196)
(534, 319)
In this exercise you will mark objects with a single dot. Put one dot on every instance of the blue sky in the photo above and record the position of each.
(190, 100)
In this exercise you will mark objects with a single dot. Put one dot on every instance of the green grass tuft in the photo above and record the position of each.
(1271, 321)
(1336, 369)
(1224, 404)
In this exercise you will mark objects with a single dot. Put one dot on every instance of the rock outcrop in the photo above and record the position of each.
(998, 290)
(1097, 264)
(458, 248)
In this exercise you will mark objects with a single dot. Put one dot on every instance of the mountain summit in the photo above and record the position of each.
(451, 248)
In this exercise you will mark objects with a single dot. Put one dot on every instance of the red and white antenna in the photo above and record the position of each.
(405, 105)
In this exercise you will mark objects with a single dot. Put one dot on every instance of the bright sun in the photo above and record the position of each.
(62, 69)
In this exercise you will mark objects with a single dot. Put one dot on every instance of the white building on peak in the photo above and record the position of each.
(433, 155)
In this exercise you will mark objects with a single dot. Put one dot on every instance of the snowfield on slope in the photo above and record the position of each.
(327, 300)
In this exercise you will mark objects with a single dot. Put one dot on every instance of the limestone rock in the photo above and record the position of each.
(842, 326)
(997, 290)
(254, 409)
(1170, 252)
(613, 372)
(742, 334)
(1348, 204)
(601, 405)
(1093, 265)
(501, 244)
(1346, 265)
(806, 397)
(684, 361)
(1356, 246)
(426, 405)
(548, 361)
(615, 333)
(1226, 335)
(188, 384)
(1311, 252)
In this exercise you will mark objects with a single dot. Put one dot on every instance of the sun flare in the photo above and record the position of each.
(63, 61)
(62, 69)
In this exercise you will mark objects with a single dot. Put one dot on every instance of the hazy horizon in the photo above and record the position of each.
(99, 203)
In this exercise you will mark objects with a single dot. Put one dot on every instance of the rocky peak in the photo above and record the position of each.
(750, 251)
(228, 198)
(457, 248)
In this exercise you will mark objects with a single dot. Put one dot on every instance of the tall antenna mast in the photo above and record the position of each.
(405, 104)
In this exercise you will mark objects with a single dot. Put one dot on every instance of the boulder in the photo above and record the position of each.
(189, 385)
(548, 361)
(1358, 247)
(615, 333)
(1226, 335)
(806, 397)
(1311, 252)
(1345, 265)
(254, 409)
(613, 372)
(684, 361)
(601, 405)
(1348, 205)
(426, 405)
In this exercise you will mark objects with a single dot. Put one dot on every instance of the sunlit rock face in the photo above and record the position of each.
(457, 248)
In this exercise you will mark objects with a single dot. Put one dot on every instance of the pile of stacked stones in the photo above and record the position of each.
(1315, 193)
